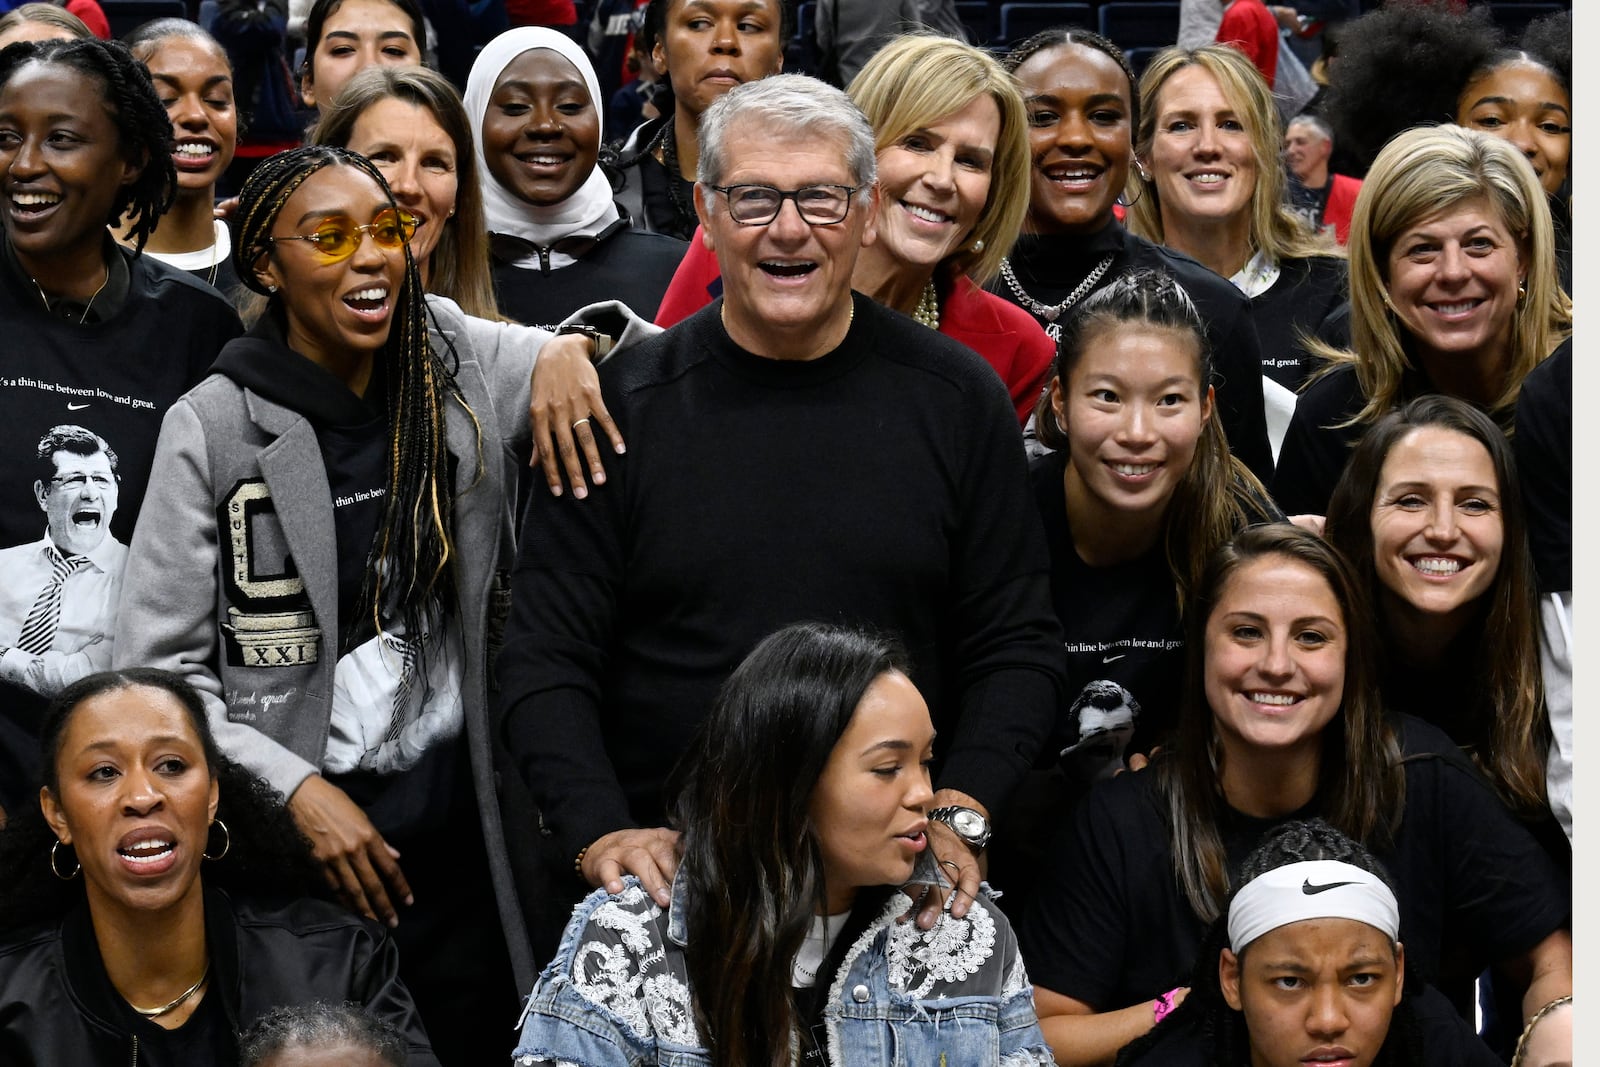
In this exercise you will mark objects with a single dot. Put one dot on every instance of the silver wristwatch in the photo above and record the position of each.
(968, 823)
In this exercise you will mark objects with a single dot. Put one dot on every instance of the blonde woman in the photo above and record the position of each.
(1453, 290)
(1209, 184)
(952, 146)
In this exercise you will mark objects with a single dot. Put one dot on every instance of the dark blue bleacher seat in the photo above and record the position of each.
(1140, 25)
(125, 16)
(1139, 58)
(1018, 22)
(978, 17)
(800, 54)
(1513, 17)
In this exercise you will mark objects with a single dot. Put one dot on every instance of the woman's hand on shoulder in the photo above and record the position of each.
(359, 864)
(564, 409)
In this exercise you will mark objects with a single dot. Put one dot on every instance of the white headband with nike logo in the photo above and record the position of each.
(1313, 889)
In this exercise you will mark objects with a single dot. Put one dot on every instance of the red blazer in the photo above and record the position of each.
(1009, 339)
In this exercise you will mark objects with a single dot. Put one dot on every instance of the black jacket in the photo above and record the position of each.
(57, 1006)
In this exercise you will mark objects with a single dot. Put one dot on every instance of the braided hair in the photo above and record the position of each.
(409, 574)
(1056, 36)
(1224, 1035)
(144, 133)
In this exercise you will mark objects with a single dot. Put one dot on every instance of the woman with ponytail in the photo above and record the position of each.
(327, 570)
(1138, 490)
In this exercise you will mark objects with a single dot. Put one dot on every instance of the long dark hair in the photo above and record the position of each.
(1360, 778)
(266, 853)
(410, 574)
(1505, 729)
(1218, 494)
(751, 860)
(1222, 1029)
(144, 133)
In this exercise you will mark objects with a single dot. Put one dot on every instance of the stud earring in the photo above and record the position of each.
(977, 246)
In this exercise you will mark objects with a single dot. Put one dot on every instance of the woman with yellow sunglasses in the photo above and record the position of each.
(326, 568)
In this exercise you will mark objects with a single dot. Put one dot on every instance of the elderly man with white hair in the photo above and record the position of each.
(795, 452)
(1325, 199)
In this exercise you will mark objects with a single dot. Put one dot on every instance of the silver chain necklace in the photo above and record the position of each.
(1051, 312)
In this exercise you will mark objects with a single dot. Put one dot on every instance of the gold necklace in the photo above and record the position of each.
(155, 1013)
(927, 311)
(85, 316)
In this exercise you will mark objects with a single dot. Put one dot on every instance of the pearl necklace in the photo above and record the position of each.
(156, 1013)
(1051, 312)
(927, 311)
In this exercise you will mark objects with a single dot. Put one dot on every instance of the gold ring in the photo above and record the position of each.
(580, 422)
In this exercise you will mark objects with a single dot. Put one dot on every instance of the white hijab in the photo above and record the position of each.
(588, 210)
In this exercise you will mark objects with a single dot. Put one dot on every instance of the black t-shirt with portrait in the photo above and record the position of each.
(1123, 643)
(112, 367)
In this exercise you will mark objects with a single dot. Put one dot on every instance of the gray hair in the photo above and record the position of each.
(1316, 122)
(320, 1024)
(782, 106)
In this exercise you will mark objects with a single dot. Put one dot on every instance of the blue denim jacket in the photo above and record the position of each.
(617, 992)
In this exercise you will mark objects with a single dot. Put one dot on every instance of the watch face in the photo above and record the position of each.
(967, 823)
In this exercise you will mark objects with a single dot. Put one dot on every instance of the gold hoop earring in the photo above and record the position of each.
(227, 841)
(55, 868)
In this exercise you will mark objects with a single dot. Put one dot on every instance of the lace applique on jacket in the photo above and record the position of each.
(627, 974)
(952, 951)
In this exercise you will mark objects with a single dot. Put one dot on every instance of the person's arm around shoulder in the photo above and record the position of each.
(1008, 642)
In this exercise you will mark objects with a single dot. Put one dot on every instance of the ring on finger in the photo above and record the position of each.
(580, 422)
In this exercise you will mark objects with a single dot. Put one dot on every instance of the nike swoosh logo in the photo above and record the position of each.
(1312, 890)
(1113, 659)
(76, 407)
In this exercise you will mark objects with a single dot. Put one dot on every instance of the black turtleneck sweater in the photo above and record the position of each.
(883, 483)
(1049, 266)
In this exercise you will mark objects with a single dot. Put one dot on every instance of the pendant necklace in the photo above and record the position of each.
(85, 316)
(1051, 312)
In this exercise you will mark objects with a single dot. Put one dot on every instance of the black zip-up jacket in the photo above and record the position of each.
(58, 1007)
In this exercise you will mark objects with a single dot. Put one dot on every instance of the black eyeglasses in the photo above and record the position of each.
(757, 205)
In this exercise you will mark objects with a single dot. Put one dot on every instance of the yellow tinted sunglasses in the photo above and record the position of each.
(339, 236)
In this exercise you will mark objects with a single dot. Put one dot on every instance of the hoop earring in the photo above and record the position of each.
(227, 841)
(55, 869)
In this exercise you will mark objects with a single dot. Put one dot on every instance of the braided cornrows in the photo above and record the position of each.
(1056, 36)
(408, 574)
(143, 130)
